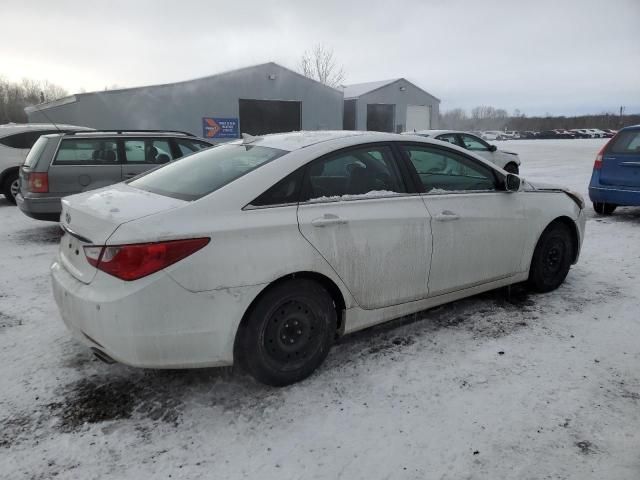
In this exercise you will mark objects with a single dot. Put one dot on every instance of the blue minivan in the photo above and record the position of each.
(616, 172)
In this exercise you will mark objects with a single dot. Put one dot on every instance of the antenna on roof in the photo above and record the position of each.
(246, 138)
(45, 115)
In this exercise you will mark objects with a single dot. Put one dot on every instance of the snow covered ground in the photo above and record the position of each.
(527, 387)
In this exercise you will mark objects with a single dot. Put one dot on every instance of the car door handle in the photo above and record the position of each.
(447, 216)
(131, 175)
(328, 219)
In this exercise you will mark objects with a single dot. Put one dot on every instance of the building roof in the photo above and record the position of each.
(356, 90)
(73, 98)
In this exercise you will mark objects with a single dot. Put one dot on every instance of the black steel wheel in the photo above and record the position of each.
(288, 332)
(552, 258)
(602, 208)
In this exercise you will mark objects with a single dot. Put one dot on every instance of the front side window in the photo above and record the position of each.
(361, 171)
(188, 146)
(443, 171)
(199, 174)
(99, 151)
(474, 144)
(147, 151)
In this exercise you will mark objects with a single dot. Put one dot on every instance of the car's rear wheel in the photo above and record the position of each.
(512, 167)
(288, 332)
(602, 208)
(552, 258)
(11, 187)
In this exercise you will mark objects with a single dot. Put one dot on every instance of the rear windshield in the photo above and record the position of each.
(199, 174)
(626, 142)
(36, 151)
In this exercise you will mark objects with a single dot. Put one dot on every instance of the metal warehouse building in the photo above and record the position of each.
(395, 105)
(262, 99)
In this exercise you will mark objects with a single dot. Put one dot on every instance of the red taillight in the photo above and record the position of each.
(597, 165)
(131, 262)
(38, 182)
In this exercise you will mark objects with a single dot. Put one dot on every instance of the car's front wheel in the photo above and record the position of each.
(512, 167)
(11, 186)
(602, 208)
(552, 258)
(288, 332)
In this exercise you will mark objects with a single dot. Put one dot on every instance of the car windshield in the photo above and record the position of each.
(204, 172)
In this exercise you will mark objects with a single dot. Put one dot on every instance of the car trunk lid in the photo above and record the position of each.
(91, 218)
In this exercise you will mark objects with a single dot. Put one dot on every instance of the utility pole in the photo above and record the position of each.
(622, 109)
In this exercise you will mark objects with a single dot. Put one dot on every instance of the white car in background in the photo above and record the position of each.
(508, 161)
(262, 251)
(16, 139)
(493, 135)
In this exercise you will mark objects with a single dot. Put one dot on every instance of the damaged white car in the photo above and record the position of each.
(262, 251)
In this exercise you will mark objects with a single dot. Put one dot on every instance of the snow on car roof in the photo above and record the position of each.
(296, 140)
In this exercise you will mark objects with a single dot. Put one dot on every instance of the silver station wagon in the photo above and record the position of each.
(63, 164)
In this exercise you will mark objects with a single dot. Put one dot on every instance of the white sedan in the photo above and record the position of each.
(262, 251)
(508, 161)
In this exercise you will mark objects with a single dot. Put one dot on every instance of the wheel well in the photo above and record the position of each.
(574, 233)
(326, 282)
(8, 171)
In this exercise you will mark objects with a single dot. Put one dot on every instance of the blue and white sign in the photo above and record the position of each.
(219, 127)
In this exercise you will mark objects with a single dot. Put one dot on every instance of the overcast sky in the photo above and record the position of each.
(561, 57)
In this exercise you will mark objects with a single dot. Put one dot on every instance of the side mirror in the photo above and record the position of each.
(512, 182)
(492, 148)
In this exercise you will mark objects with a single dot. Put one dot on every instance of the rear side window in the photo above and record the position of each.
(99, 151)
(286, 191)
(36, 151)
(149, 150)
(353, 172)
(25, 139)
(204, 172)
(626, 142)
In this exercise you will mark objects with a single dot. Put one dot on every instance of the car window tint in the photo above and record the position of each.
(446, 171)
(626, 142)
(474, 143)
(24, 140)
(355, 172)
(87, 152)
(286, 191)
(147, 151)
(206, 171)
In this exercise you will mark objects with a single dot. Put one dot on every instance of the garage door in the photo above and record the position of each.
(418, 117)
(259, 117)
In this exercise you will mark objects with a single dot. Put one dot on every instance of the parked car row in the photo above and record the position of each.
(558, 133)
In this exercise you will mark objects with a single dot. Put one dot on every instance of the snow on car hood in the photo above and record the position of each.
(96, 214)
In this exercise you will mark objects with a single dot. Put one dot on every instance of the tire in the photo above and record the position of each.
(552, 258)
(10, 186)
(512, 167)
(602, 208)
(297, 311)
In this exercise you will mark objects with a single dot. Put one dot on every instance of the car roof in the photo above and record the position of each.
(433, 133)
(127, 134)
(12, 128)
(292, 141)
(631, 127)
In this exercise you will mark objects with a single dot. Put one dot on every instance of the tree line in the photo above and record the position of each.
(490, 118)
(15, 96)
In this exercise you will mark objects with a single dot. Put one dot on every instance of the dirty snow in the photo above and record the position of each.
(339, 198)
(526, 387)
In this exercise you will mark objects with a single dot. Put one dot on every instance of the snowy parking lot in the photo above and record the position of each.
(496, 386)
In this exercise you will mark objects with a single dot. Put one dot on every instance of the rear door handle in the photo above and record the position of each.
(447, 216)
(328, 219)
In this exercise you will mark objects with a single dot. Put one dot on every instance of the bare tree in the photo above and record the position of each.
(319, 64)
(15, 96)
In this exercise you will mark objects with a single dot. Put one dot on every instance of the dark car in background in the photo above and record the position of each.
(63, 164)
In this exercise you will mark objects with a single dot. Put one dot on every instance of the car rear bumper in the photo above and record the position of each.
(152, 322)
(42, 208)
(624, 196)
